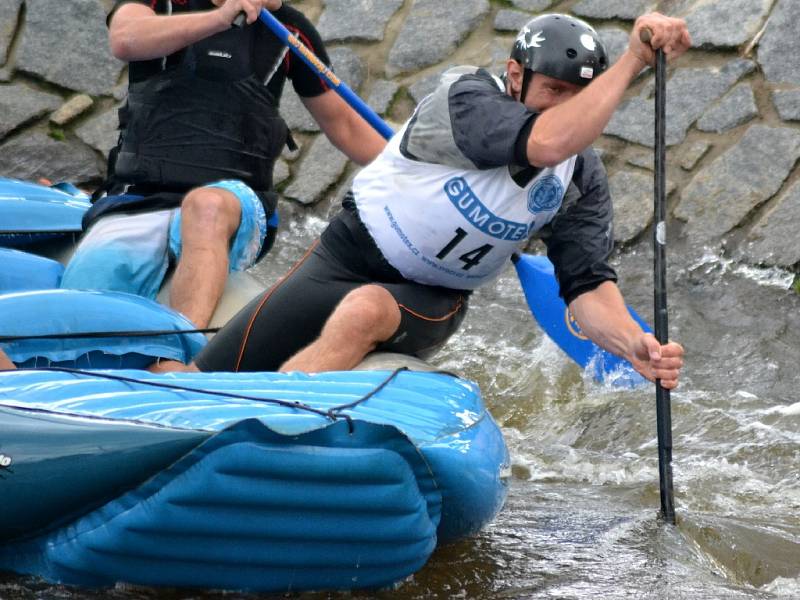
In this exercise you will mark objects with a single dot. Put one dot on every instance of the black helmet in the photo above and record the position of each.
(560, 46)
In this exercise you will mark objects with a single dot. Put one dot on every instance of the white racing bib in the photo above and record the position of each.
(454, 228)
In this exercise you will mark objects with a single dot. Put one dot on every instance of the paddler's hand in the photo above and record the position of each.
(668, 33)
(655, 361)
(230, 9)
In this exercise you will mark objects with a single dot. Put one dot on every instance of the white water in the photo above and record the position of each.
(581, 518)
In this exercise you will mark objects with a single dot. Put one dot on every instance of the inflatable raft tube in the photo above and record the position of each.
(265, 482)
(34, 213)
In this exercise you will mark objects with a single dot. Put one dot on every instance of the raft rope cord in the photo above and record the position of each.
(105, 334)
(334, 414)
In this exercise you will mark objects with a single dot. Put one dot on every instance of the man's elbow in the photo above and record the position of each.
(120, 45)
(360, 142)
(545, 153)
(544, 157)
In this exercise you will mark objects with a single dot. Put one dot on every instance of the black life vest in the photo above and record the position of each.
(207, 118)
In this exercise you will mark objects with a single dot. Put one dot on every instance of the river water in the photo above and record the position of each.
(581, 518)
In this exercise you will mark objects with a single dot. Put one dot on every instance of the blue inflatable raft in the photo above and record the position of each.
(246, 481)
(266, 481)
(31, 213)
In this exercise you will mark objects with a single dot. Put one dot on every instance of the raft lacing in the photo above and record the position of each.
(104, 334)
(334, 414)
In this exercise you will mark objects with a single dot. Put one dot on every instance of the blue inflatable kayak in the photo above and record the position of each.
(31, 213)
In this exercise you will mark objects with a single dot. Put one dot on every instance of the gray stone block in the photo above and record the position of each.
(691, 155)
(426, 85)
(510, 20)
(689, 92)
(37, 155)
(721, 195)
(381, 95)
(780, 46)
(432, 31)
(532, 5)
(613, 9)
(726, 24)
(347, 65)
(357, 20)
(317, 171)
(100, 132)
(20, 104)
(9, 12)
(773, 240)
(281, 172)
(295, 114)
(66, 43)
(615, 41)
(787, 102)
(632, 195)
(737, 107)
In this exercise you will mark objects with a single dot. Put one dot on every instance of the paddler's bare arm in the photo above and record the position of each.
(604, 318)
(136, 32)
(345, 128)
(570, 127)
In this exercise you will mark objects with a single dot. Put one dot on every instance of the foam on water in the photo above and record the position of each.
(712, 261)
(784, 587)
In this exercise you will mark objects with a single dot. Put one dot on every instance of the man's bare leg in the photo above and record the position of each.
(5, 362)
(209, 218)
(364, 318)
(170, 366)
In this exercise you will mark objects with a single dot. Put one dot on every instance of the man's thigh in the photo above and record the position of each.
(428, 317)
(282, 320)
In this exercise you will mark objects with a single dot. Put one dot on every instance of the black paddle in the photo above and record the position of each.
(663, 414)
(240, 20)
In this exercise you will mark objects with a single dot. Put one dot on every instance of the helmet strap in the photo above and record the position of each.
(527, 74)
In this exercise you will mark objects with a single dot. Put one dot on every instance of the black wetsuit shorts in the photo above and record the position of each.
(290, 315)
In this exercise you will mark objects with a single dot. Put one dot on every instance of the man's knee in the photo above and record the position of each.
(208, 209)
(371, 311)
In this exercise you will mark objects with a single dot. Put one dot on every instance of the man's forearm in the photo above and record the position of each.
(345, 128)
(137, 33)
(604, 319)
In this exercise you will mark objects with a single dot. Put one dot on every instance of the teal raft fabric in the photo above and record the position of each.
(31, 213)
(48, 312)
(275, 491)
(23, 271)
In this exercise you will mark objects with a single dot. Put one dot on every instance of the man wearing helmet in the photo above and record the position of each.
(482, 165)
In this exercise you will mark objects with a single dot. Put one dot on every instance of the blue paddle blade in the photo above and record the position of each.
(537, 277)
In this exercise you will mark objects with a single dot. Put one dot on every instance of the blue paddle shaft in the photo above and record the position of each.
(308, 57)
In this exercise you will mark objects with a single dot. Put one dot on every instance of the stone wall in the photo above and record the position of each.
(732, 115)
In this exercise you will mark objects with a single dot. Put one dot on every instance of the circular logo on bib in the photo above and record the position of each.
(545, 195)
